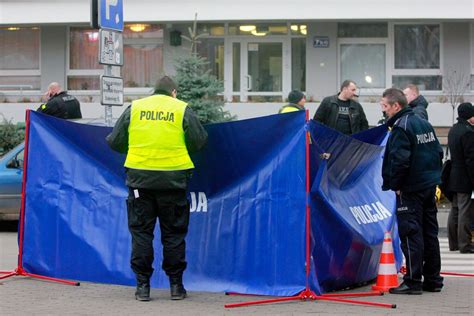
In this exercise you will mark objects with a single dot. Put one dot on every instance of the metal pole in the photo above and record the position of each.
(108, 108)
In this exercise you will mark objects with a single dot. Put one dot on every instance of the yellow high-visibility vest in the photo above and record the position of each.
(288, 108)
(156, 135)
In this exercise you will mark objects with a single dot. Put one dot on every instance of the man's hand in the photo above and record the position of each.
(398, 192)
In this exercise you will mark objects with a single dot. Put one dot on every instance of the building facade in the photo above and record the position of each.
(260, 49)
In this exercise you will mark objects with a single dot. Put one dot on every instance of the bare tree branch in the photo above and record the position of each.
(455, 85)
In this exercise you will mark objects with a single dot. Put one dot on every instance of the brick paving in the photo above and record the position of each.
(24, 296)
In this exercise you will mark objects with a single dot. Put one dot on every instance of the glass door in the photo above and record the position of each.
(258, 72)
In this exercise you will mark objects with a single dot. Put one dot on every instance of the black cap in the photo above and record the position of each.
(295, 96)
(466, 110)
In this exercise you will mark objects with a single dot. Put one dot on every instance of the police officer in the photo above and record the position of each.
(60, 104)
(296, 101)
(412, 168)
(158, 133)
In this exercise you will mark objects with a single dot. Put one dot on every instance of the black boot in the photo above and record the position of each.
(143, 289)
(177, 289)
(405, 289)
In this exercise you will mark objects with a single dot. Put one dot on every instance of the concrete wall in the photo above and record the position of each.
(172, 53)
(440, 114)
(78, 11)
(457, 49)
(321, 63)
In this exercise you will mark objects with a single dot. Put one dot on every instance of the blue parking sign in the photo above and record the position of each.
(111, 14)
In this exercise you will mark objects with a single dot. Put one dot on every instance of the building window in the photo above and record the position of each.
(362, 30)
(83, 49)
(298, 63)
(143, 57)
(19, 58)
(363, 63)
(300, 29)
(423, 82)
(213, 50)
(363, 54)
(417, 46)
(235, 67)
(258, 29)
(417, 53)
(211, 29)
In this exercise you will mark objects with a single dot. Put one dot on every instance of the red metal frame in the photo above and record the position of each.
(458, 274)
(403, 270)
(307, 294)
(20, 271)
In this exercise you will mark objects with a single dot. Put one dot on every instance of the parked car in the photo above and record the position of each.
(11, 175)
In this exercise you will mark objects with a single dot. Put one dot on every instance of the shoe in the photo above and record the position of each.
(467, 251)
(143, 292)
(432, 288)
(178, 292)
(405, 289)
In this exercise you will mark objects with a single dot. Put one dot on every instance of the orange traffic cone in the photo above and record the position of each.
(387, 277)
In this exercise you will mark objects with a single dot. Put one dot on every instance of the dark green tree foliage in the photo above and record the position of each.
(200, 89)
(10, 134)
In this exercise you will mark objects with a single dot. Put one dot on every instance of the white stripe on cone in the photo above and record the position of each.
(387, 269)
(387, 244)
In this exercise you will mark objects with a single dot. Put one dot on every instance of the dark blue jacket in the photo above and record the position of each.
(419, 106)
(413, 155)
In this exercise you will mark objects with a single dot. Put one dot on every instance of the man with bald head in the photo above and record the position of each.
(60, 104)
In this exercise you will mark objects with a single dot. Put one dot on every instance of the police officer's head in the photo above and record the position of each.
(393, 101)
(166, 86)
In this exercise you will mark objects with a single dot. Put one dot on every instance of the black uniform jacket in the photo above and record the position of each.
(195, 138)
(62, 105)
(413, 156)
(461, 146)
(328, 112)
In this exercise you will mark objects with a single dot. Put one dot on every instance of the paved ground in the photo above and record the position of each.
(24, 296)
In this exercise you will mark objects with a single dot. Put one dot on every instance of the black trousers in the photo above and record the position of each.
(418, 229)
(172, 209)
(460, 221)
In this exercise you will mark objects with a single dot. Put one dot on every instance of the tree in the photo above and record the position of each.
(197, 86)
(456, 83)
(10, 134)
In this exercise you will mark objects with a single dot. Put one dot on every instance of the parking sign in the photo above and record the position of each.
(111, 14)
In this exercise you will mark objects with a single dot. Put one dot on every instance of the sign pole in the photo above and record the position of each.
(108, 108)
(107, 15)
